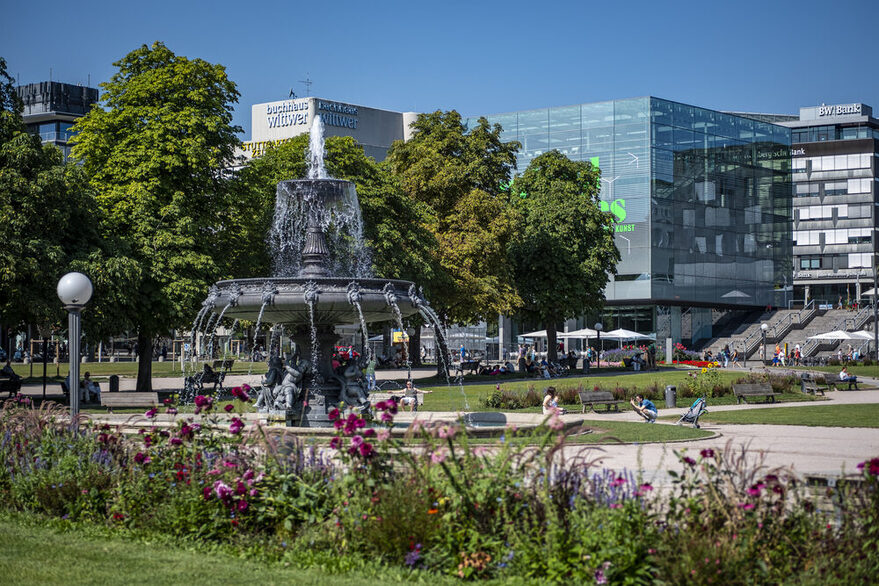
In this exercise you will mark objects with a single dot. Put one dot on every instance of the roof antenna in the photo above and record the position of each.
(307, 81)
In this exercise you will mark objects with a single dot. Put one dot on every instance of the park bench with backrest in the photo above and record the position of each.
(811, 387)
(743, 391)
(10, 382)
(592, 398)
(129, 399)
(469, 365)
(224, 365)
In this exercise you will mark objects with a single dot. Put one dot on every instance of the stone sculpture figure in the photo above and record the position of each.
(293, 383)
(272, 379)
(353, 391)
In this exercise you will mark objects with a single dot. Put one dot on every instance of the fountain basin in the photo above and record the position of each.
(285, 299)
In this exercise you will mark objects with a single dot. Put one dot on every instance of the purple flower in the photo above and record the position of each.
(176, 441)
(412, 557)
(203, 403)
(387, 417)
(242, 505)
(707, 453)
(142, 458)
(334, 415)
(241, 394)
(229, 408)
(689, 461)
(336, 443)
(747, 506)
(222, 490)
(171, 411)
(381, 406)
(236, 426)
(151, 413)
(366, 449)
(356, 441)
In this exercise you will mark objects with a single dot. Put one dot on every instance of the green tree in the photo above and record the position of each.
(49, 225)
(565, 247)
(155, 150)
(458, 172)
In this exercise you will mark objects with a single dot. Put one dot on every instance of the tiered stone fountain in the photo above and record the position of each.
(316, 239)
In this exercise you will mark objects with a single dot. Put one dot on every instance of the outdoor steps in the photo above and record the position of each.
(736, 339)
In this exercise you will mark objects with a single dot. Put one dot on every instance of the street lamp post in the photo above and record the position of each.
(598, 327)
(763, 329)
(74, 291)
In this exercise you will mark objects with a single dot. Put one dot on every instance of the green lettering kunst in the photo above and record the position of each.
(617, 207)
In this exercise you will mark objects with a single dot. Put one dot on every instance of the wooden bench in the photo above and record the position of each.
(743, 391)
(224, 364)
(810, 387)
(471, 365)
(129, 399)
(593, 398)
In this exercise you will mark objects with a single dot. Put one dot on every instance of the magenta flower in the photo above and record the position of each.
(206, 492)
(142, 458)
(387, 417)
(356, 441)
(236, 426)
(366, 449)
(381, 406)
(646, 487)
(151, 413)
(369, 432)
(689, 461)
(618, 481)
(176, 441)
(222, 490)
(242, 505)
(241, 394)
(707, 453)
(336, 443)
(171, 411)
(747, 506)
(756, 489)
(334, 415)
(229, 408)
(203, 403)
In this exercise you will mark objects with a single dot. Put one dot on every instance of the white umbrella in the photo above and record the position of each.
(869, 292)
(834, 335)
(622, 334)
(539, 334)
(735, 293)
(584, 333)
(862, 335)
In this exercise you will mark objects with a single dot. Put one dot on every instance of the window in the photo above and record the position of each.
(810, 262)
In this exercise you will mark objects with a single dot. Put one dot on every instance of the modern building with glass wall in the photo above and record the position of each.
(702, 202)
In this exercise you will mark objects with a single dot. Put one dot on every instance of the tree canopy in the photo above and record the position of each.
(564, 250)
(458, 172)
(154, 151)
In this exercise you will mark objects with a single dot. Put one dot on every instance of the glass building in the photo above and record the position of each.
(51, 108)
(701, 200)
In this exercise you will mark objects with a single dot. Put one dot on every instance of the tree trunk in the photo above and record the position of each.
(144, 362)
(415, 348)
(552, 354)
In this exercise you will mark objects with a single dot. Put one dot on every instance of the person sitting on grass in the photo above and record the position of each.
(645, 408)
(551, 403)
(851, 379)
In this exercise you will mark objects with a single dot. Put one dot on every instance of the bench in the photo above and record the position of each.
(743, 391)
(471, 365)
(593, 398)
(810, 387)
(224, 364)
(129, 399)
(11, 386)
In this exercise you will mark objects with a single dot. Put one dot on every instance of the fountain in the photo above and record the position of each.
(322, 278)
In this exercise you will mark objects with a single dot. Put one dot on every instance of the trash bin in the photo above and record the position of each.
(114, 383)
(671, 396)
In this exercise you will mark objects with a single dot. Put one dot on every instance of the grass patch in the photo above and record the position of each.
(613, 432)
(102, 370)
(77, 556)
(814, 416)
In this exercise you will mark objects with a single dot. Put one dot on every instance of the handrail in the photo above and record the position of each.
(863, 316)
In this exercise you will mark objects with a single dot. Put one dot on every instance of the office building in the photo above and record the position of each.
(51, 108)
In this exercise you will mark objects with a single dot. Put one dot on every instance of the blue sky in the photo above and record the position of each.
(478, 57)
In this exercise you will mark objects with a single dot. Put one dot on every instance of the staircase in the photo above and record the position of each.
(837, 319)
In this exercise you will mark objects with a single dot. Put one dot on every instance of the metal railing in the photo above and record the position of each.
(856, 322)
(781, 328)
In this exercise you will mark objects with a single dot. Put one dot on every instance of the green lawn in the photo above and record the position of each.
(34, 553)
(611, 432)
(452, 398)
(857, 370)
(816, 415)
(101, 370)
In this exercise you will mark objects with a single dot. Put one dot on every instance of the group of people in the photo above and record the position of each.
(643, 407)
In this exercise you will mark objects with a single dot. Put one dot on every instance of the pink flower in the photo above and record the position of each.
(382, 435)
(446, 431)
(618, 481)
(615, 506)
(438, 456)
(747, 506)
(646, 487)
(236, 426)
(203, 403)
(222, 490)
(356, 441)
(555, 423)
(387, 417)
(206, 492)
(151, 413)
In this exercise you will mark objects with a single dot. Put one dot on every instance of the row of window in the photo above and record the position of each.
(852, 260)
(833, 212)
(831, 163)
(837, 236)
(846, 187)
(52, 131)
(824, 133)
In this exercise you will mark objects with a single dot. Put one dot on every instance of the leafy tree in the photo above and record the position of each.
(48, 226)
(458, 173)
(154, 150)
(565, 247)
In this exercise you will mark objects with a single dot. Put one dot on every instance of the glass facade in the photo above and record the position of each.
(701, 199)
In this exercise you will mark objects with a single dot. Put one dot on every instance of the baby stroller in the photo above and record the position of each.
(694, 412)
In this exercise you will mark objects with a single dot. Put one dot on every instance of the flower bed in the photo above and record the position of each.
(437, 504)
